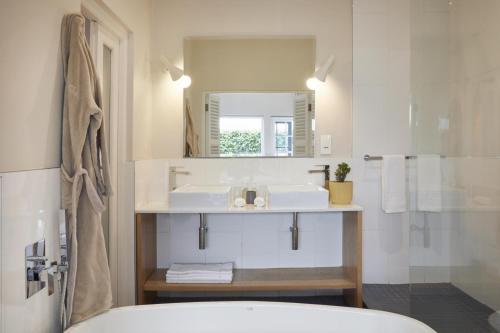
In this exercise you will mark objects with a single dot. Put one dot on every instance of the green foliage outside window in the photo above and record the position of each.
(240, 143)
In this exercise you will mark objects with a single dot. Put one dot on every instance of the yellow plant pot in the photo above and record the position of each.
(340, 193)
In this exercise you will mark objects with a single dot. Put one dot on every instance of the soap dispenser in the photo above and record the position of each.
(250, 194)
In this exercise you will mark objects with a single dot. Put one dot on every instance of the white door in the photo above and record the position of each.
(105, 48)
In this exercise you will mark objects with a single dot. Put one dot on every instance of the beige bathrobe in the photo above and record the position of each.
(192, 147)
(85, 177)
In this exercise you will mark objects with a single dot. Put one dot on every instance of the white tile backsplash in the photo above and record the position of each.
(251, 241)
(151, 184)
(303, 256)
(30, 204)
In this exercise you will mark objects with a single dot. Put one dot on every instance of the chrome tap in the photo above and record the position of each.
(37, 263)
(172, 172)
(325, 170)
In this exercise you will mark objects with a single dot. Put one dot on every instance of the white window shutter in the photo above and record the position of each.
(310, 117)
(213, 124)
(300, 126)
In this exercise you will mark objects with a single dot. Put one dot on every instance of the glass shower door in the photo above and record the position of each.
(455, 179)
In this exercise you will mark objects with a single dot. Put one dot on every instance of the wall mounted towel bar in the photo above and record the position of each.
(379, 158)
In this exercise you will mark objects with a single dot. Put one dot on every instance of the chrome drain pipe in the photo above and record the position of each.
(202, 232)
(295, 232)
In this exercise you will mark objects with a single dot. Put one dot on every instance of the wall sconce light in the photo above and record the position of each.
(176, 73)
(320, 75)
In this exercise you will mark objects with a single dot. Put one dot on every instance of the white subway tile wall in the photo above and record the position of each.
(264, 240)
(30, 204)
(251, 241)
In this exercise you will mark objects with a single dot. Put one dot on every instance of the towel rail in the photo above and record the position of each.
(379, 158)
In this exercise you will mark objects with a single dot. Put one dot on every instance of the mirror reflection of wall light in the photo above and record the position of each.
(320, 75)
(176, 73)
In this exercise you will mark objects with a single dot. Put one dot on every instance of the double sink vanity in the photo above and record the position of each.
(281, 199)
(230, 114)
(218, 199)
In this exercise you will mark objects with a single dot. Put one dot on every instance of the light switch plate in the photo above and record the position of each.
(326, 144)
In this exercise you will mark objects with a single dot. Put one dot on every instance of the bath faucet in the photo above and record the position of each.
(325, 170)
(172, 172)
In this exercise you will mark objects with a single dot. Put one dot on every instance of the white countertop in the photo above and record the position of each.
(249, 209)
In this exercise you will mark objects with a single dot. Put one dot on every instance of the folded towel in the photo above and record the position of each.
(201, 281)
(393, 184)
(194, 273)
(429, 183)
(201, 276)
(200, 273)
(200, 268)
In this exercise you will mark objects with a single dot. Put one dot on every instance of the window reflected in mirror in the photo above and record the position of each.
(259, 124)
(248, 97)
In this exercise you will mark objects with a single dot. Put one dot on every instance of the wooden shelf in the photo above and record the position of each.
(150, 279)
(274, 279)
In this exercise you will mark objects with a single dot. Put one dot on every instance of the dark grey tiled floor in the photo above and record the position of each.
(441, 306)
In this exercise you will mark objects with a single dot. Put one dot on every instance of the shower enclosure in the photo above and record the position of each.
(455, 179)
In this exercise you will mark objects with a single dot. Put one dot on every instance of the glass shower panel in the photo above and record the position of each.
(455, 179)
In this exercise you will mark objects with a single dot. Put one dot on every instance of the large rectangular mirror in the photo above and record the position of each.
(248, 97)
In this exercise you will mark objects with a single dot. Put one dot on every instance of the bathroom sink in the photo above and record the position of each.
(196, 197)
(297, 196)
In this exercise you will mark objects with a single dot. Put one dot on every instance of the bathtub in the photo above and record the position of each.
(247, 317)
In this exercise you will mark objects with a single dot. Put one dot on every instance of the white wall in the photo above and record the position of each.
(31, 91)
(381, 126)
(136, 16)
(30, 132)
(327, 20)
(32, 84)
(257, 104)
(30, 212)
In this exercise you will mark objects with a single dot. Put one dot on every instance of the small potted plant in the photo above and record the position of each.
(340, 189)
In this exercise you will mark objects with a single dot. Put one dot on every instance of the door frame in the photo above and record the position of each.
(106, 28)
(101, 37)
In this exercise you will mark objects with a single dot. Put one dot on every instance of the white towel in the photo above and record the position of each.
(393, 184)
(200, 268)
(201, 276)
(429, 183)
(200, 273)
(200, 281)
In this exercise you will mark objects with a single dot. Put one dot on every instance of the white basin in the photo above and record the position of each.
(199, 197)
(297, 196)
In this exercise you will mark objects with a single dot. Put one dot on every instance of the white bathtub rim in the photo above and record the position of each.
(258, 304)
